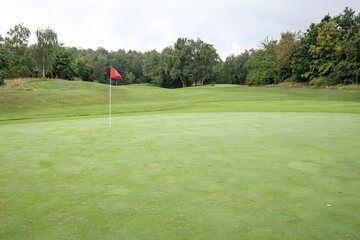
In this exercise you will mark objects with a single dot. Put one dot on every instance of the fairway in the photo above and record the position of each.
(222, 162)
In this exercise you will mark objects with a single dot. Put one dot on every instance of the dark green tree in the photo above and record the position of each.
(164, 79)
(348, 70)
(262, 65)
(64, 64)
(134, 63)
(130, 78)
(302, 58)
(205, 61)
(151, 65)
(349, 22)
(101, 66)
(84, 69)
(183, 61)
(4, 60)
(235, 69)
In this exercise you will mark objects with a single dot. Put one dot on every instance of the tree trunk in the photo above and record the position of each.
(43, 67)
(183, 83)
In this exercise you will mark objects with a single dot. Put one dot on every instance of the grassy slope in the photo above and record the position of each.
(62, 98)
(286, 170)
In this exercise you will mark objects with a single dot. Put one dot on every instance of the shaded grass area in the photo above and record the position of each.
(182, 176)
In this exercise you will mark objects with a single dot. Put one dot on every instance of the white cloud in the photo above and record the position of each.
(230, 25)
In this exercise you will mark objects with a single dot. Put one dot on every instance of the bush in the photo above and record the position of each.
(320, 81)
(345, 73)
(2, 81)
(291, 79)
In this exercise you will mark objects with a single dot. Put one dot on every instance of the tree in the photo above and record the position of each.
(164, 79)
(183, 61)
(285, 52)
(326, 52)
(46, 47)
(130, 77)
(18, 36)
(101, 65)
(235, 69)
(19, 61)
(348, 70)
(205, 61)
(302, 58)
(64, 64)
(134, 63)
(84, 69)
(151, 65)
(4, 61)
(262, 65)
(349, 22)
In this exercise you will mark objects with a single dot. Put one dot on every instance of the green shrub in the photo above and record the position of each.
(2, 81)
(345, 73)
(320, 81)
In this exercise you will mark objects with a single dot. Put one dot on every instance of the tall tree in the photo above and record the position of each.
(349, 22)
(327, 50)
(285, 51)
(100, 65)
(262, 65)
(183, 61)
(17, 40)
(4, 60)
(47, 41)
(205, 61)
(64, 64)
(164, 78)
(302, 58)
(18, 36)
(151, 65)
(235, 69)
(348, 70)
(84, 69)
(134, 60)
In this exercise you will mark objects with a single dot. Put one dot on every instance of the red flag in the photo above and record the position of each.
(115, 74)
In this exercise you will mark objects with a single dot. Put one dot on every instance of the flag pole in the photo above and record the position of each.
(116, 75)
(110, 106)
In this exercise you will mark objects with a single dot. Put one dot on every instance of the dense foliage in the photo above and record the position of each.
(327, 53)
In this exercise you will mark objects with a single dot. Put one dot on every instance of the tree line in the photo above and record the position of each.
(326, 53)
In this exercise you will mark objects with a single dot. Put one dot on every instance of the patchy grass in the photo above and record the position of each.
(16, 84)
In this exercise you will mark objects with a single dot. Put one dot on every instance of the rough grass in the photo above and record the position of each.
(223, 162)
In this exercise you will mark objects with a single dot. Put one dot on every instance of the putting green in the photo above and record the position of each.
(182, 176)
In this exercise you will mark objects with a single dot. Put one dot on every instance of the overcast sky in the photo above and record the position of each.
(230, 25)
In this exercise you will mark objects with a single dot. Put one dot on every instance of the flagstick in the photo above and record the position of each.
(110, 107)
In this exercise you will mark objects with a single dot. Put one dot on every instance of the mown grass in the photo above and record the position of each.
(222, 162)
(59, 98)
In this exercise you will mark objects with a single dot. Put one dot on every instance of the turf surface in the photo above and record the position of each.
(223, 162)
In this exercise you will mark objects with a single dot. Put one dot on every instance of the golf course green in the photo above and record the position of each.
(208, 162)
